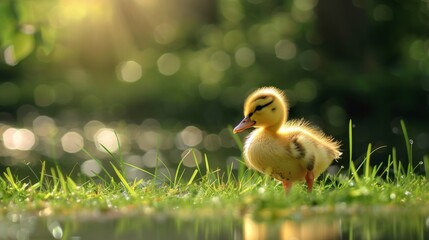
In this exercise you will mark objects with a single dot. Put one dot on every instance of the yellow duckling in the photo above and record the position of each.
(288, 151)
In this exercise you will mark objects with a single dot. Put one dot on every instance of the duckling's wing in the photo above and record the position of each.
(312, 147)
(310, 133)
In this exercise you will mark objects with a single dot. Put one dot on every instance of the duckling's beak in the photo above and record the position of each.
(244, 124)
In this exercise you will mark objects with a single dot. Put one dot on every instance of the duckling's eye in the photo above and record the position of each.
(259, 107)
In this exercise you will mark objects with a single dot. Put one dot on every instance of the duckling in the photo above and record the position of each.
(288, 151)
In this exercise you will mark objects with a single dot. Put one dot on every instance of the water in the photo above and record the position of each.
(367, 224)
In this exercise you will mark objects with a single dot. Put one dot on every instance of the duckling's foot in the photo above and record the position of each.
(309, 178)
(287, 186)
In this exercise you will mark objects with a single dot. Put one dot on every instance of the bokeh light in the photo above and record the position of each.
(212, 142)
(191, 157)
(106, 140)
(91, 128)
(90, 168)
(191, 136)
(149, 140)
(19, 139)
(72, 142)
(245, 57)
(168, 64)
(220, 61)
(129, 71)
(152, 159)
(9, 56)
(44, 126)
(285, 49)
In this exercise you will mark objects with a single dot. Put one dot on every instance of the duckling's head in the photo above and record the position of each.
(264, 108)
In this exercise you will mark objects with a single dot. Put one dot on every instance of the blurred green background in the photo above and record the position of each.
(167, 76)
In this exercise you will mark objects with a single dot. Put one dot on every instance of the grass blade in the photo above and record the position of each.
(9, 177)
(191, 180)
(375, 170)
(350, 139)
(140, 169)
(197, 165)
(207, 164)
(350, 145)
(71, 185)
(39, 184)
(426, 163)
(367, 161)
(42, 173)
(54, 180)
(176, 176)
(387, 169)
(237, 140)
(353, 172)
(121, 159)
(408, 146)
(123, 181)
(62, 180)
(167, 177)
(395, 164)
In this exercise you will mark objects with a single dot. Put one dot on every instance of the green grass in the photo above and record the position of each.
(210, 190)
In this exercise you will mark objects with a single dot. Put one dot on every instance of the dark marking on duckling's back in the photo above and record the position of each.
(299, 148)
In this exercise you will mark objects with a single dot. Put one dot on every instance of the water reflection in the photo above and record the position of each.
(325, 227)
(374, 223)
(114, 225)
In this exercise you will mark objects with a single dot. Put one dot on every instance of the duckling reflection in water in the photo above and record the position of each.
(319, 227)
(288, 151)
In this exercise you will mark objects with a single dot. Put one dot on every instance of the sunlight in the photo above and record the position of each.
(147, 3)
(70, 11)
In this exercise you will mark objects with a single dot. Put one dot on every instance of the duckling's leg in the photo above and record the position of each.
(309, 178)
(287, 186)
